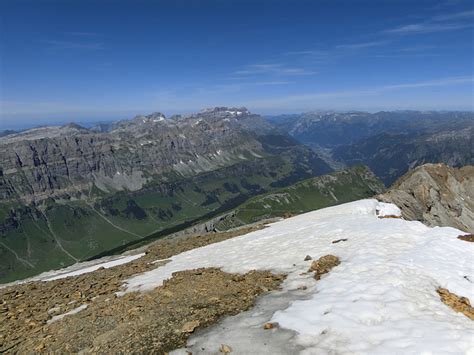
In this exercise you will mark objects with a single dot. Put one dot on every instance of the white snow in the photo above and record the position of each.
(387, 209)
(234, 113)
(381, 298)
(159, 119)
(61, 274)
(61, 316)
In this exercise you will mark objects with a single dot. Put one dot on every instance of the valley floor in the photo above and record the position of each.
(381, 298)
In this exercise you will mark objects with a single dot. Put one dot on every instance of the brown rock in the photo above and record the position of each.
(457, 303)
(225, 349)
(270, 325)
(189, 327)
(77, 295)
(323, 265)
(467, 237)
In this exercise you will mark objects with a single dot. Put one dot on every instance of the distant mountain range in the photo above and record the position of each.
(390, 143)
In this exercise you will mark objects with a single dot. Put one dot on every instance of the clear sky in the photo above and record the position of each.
(95, 60)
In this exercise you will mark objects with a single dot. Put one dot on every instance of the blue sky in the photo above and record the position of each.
(98, 60)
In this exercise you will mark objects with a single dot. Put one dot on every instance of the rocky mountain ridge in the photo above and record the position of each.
(50, 161)
(436, 195)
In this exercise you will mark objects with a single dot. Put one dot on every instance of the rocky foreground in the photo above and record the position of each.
(41, 315)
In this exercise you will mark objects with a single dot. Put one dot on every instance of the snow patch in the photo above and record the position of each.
(388, 209)
(105, 265)
(61, 316)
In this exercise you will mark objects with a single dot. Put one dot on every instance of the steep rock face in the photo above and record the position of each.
(437, 195)
(52, 161)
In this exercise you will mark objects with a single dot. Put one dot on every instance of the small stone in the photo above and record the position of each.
(225, 349)
(270, 325)
(40, 347)
(308, 257)
(189, 327)
(77, 295)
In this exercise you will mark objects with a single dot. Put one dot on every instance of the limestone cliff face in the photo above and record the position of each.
(437, 195)
(52, 161)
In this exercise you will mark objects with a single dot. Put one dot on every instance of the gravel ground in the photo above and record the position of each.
(150, 321)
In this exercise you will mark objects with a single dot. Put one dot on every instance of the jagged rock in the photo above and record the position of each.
(436, 195)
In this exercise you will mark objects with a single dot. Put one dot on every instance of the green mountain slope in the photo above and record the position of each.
(343, 186)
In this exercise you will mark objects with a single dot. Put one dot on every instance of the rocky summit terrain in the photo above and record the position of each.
(437, 195)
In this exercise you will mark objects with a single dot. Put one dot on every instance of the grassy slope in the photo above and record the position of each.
(315, 193)
(56, 234)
